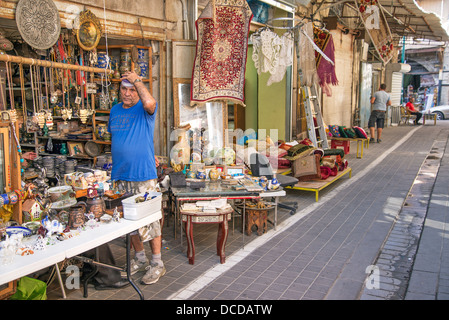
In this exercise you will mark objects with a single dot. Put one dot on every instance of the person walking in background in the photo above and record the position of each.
(380, 100)
(412, 110)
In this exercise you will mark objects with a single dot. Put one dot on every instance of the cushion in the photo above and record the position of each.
(342, 131)
(360, 132)
(334, 131)
(350, 133)
(325, 172)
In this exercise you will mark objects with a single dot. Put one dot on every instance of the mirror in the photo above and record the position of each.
(211, 116)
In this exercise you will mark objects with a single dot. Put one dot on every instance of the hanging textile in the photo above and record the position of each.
(271, 53)
(377, 27)
(266, 49)
(307, 63)
(325, 68)
(285, 58)
(221, 49)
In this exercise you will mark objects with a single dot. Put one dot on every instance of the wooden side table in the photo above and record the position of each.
(222, 216)
(256, 217)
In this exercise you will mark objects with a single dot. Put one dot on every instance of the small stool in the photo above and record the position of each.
(258, 218)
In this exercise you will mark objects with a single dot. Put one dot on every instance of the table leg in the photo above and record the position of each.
(176, 216)
(222, 238)
(61, 283)
(276, 202)
(128, 266)
(243, 223)
(190, 243)
(89, 276)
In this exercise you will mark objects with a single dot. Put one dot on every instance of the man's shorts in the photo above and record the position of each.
(376, 117)
(152, 230)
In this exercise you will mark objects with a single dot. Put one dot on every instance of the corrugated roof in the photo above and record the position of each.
(407, 18)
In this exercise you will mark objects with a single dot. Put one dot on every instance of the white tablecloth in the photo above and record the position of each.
(86, 240)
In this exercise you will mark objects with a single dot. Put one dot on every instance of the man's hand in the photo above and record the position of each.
(29, 155)
(157, 161)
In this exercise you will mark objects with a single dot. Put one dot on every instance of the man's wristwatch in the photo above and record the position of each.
(137, 80)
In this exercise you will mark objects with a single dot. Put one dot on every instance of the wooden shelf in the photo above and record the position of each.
(86, 157)
(65, 139)
(102, 142)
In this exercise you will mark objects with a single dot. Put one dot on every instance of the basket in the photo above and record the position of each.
(136, 211)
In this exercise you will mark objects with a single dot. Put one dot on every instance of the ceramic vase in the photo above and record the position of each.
(190, 174)
(201, 175)
(214, 174)
(100, 130)
(102, 59)
(63, 149)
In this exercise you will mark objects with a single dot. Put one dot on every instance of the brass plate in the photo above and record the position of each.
(38, 23)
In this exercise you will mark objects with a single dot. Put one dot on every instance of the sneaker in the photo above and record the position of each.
(153, 274)
(371, 140)
(378, 140)
(137, 265)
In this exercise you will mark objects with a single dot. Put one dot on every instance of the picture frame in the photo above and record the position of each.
(76, 149)
(231, 170)
(221, 168)
(88, 33)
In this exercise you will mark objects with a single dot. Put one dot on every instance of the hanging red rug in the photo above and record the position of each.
(221, 50)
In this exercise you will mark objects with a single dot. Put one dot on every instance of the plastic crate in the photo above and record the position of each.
(339, 143)
(136, 211)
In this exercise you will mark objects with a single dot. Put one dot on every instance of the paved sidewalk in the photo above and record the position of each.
(328, 248)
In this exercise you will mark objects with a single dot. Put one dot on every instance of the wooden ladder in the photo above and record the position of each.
(313, 110)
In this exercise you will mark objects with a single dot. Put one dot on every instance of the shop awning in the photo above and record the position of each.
(407, 18)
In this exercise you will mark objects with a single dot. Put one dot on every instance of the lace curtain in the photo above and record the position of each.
(272, 54)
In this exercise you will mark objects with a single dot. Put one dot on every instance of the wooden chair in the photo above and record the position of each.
(406, 116)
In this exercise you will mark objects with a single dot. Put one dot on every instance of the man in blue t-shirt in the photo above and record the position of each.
(380, 100)
(131, 124)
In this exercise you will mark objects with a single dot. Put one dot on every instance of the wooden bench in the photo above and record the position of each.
(336, 142)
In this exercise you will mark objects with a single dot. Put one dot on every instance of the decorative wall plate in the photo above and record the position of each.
(38, 22)
(89, 32)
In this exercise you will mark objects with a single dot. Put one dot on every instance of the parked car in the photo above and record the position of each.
(442, 112)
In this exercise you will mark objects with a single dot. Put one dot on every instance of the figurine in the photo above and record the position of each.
(90, 179)
(116, 215)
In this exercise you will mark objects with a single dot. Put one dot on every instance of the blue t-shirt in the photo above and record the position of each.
(132, 132)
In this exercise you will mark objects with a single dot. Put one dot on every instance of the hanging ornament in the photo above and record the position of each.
(49, 121)
(83, 114)
(41, 117)
(64, 114)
